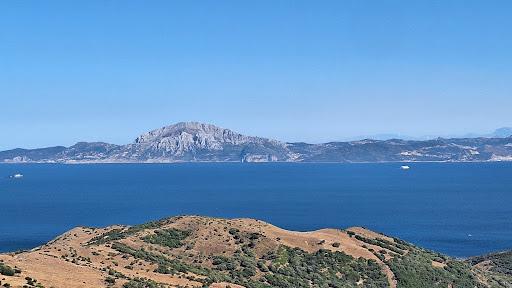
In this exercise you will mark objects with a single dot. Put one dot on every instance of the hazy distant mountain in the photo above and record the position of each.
(388, 136)
(197, 142)
(503, 132)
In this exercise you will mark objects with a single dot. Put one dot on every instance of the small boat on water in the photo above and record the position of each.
(15, 176)
(405, 167)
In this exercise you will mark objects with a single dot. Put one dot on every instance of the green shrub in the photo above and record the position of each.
(6, 270)
(110, 280)
(168, 237)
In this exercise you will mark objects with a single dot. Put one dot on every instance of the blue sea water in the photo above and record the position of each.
(433, 205)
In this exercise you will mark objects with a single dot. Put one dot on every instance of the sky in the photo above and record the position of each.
(311, 71)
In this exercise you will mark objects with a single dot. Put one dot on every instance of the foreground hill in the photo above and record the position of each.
(197, 142)
(498, 265)
(195, 251)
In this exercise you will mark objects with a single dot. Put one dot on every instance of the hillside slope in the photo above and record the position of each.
(197, 251)
(496, 266)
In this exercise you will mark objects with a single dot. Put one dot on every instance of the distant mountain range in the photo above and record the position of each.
(499, 133)
(198, 142)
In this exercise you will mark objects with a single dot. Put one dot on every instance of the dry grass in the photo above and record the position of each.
(210, 236)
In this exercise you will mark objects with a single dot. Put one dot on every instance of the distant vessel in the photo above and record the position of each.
(405, 167)
(17, 176)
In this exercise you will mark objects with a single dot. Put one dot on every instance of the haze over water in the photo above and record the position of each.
(433, 205)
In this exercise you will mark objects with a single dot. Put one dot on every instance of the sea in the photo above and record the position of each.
(460, 209)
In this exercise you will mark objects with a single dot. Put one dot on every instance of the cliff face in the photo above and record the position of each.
(191, 141)
(204, 136)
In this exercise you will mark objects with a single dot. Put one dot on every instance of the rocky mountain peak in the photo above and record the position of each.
(189, 141)
(194, 129)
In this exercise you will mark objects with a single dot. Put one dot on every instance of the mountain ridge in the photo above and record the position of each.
(200, 142)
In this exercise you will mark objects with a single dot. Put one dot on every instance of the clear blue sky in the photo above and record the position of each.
(309, 71)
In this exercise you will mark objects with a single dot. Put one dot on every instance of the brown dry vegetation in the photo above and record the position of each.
(70, 261)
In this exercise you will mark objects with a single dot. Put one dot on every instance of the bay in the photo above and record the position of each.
(432, 205)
